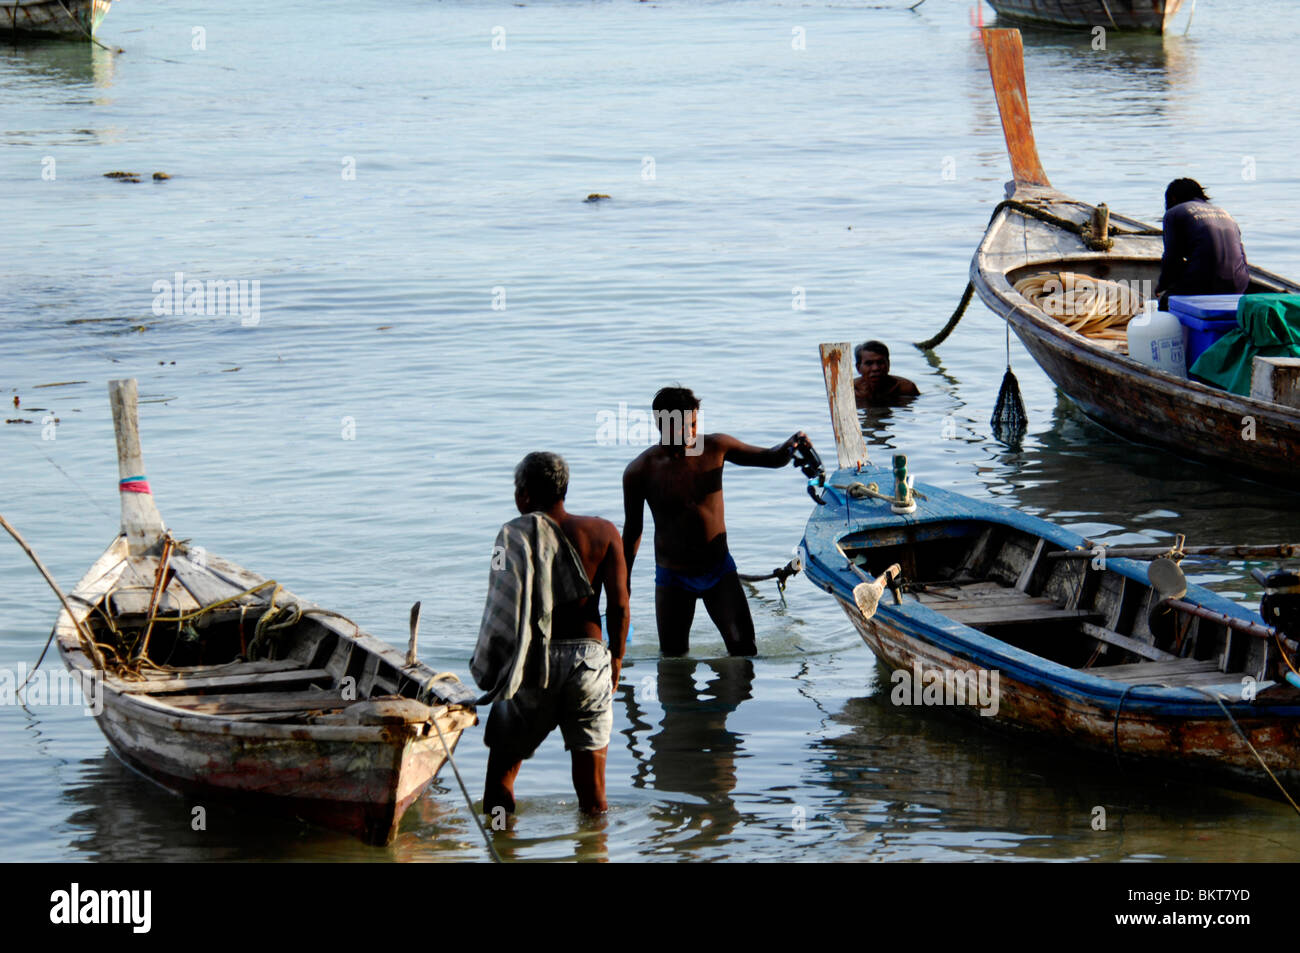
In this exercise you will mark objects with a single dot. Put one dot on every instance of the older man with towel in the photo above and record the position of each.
(540, 658)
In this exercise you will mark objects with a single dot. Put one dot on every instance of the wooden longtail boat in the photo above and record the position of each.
(1037, 231)
(218, 683)
(1085, 652)
(69, 19)
(1152, 16)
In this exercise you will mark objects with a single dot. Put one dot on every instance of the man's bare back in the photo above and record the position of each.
(578, 697)
(600, 549)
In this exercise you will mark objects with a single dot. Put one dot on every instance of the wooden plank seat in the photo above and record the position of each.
(248, 681)
(259, 702)
(988, 602)
(230, 668)
(1015, 613)
(1158, 672)
(1137, 647)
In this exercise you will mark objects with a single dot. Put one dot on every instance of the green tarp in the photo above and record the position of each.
(1267, 325)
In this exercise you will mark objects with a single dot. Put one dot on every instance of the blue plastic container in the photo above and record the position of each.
(1205, 319)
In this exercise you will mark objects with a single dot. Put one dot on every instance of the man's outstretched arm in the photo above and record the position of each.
(746, 455)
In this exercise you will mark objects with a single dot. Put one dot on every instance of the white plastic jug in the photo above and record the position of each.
(1155, 338)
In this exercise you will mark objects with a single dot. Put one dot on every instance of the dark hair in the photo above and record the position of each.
(875, 347)
(1183, 190)
(544, 477)
(670, 399)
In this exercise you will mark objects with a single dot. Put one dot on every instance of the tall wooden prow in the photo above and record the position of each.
(837, 368)
(1007, 69)
(141, 522)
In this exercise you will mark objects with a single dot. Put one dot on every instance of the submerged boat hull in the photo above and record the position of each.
(1152, 16)
(66, 19)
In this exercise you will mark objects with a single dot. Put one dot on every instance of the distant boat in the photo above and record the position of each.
(69, 19)
(1028, 237)
(1003, 614)
(219, 683)
(1152, 16)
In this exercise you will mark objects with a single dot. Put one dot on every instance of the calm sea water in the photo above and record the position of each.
(435, 299)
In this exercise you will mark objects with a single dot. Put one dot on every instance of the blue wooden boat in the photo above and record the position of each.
(994, 614)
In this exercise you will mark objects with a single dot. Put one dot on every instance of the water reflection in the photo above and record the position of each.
(929, 784)
(693, 752)
(55, 63)
(1165, 62)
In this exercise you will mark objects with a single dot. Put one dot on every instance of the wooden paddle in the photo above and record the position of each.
(868, 594)
(1007, 68)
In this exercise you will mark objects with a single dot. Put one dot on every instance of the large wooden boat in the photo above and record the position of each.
(998, 616)
(1152, 16)
(69, 19)
(1030, 234)
(219, 683)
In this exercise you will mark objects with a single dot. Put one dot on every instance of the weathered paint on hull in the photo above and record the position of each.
(1183, 745)
(1255, 438)
(1146, 15)
(360, 787)
(69, 19)
(1262, 439)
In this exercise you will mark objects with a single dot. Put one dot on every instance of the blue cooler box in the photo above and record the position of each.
(1205, 319)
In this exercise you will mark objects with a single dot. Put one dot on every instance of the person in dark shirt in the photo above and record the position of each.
(1203, 251)
(877, 387)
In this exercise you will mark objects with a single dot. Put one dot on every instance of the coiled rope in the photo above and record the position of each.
(1083, 230)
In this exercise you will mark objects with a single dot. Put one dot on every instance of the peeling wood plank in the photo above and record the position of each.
(1135, 646)
(249, 681)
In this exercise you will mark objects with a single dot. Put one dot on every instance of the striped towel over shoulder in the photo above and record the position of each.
(534, 569)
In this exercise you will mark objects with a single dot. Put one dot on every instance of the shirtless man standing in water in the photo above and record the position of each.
(583, 672)
(681, 479)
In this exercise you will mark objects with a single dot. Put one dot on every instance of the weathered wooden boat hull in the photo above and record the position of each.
(354, 784)
(1255, 438)
(356, 779)
(1172, 728)
(1193, 420)
(1146, 15)
(1184, 744)
(218, 683)
(66, 19)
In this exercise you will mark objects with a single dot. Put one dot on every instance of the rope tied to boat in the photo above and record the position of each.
(1083, 230)
(781, 574)
(1217, 699)
(270, 627)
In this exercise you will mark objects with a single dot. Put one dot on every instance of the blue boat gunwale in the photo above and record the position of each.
(843, 517)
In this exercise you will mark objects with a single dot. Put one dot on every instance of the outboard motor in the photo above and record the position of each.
(806, 459)
(1280, 604)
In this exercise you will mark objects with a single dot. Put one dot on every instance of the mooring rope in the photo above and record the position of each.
(1219, 699)
(496, 858)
